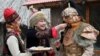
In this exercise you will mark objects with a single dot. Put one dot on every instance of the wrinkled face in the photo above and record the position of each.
(41, 25)
(71, 19)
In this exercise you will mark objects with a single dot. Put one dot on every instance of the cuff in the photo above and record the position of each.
(54, 32)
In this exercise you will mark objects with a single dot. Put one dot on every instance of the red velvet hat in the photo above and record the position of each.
(10, 14)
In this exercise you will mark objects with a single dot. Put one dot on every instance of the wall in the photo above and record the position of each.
(95, 20)
(56, 16)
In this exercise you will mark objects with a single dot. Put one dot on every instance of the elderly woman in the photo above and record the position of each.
(39, 34)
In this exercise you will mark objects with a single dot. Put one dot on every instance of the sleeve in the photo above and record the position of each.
(54, 32)
(12, 43)
(90, 32)
(56, 29)
(88, 51)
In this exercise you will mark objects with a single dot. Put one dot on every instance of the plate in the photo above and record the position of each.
(40, 48)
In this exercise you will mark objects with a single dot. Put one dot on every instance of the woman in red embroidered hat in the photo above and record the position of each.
(13, 43)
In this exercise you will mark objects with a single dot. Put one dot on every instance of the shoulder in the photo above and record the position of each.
(11, 39)
(88, 27)
(85, 24)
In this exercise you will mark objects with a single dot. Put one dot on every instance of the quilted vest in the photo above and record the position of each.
(6, 50)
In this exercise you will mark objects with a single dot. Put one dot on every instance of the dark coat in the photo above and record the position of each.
(38, 40)
(35, 38)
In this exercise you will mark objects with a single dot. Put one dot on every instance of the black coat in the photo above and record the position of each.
(34, 40)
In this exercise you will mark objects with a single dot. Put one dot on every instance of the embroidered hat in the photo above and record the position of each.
(10, 15)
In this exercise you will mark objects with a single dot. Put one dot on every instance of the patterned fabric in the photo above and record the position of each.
(80, 40)
(89, 51)
(90, 32)
(73, 50)
(44, 37)
(77, 45)
(70, 46)
(67, 40)
(69, 11)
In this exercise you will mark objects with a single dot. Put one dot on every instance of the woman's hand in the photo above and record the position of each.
(60, 26)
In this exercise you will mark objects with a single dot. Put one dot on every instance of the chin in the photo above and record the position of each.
(43, 28)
